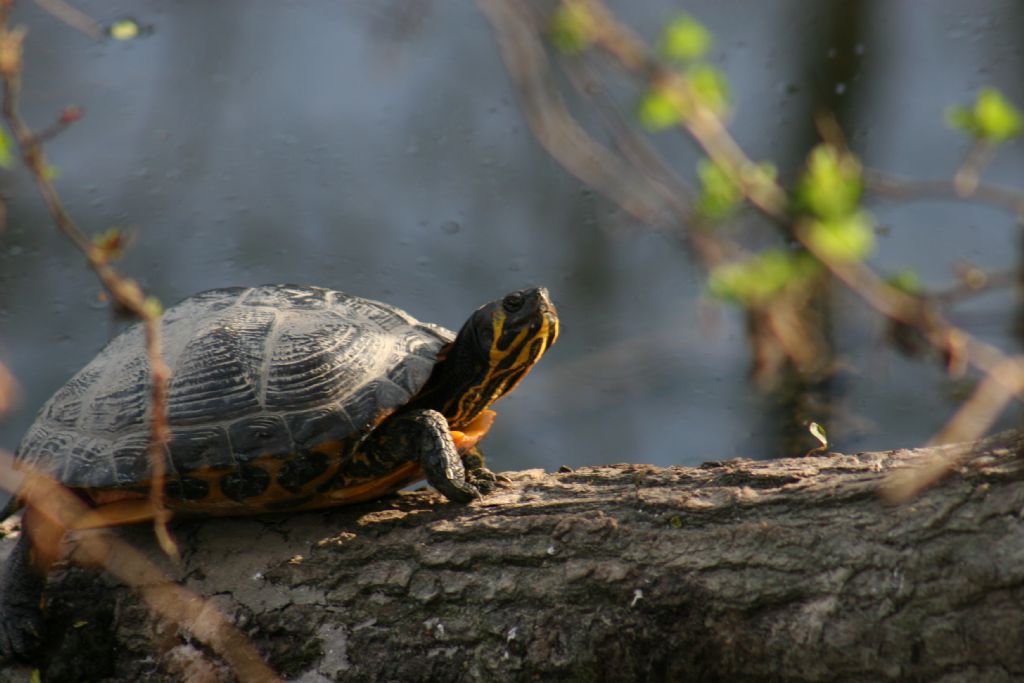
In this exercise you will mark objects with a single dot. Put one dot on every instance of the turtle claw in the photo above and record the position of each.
(478, 474)
(485, 480)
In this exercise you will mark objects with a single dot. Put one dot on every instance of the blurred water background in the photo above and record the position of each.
(378, 148)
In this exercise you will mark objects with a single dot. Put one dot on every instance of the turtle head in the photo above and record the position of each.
(515, 330)
(493, 351)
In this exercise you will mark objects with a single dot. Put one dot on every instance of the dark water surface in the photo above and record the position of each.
(378, 148)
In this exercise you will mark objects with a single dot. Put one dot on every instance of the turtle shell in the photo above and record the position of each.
(284, 375)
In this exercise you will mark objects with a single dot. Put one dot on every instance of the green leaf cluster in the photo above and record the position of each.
(829, 193)
(660, 109)
(124, 29)
(694, 83)
(847, 239)
(992, 118)
(572, 28)
(709, 87)
(670, 104)
(684, 40)
(831, 187)
(906, 281)
(720, 195)
(6, 147)
(756, 280)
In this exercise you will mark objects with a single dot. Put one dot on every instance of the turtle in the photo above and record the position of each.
(281, 398)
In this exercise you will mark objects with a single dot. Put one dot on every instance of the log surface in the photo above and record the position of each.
(791, 570)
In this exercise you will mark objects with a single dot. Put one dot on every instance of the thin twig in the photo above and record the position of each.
(709, 132)
(711, 248)
(73, 17)
(973, 282)
(125, 292)
(554, 127)
(974, 417)
(968, 176)
(9, 392)
(165, 598)
(636, 176)
(704, 125)
(895, 187)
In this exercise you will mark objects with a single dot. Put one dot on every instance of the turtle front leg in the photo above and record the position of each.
(423, 436)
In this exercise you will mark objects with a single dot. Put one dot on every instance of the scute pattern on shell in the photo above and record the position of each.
(265, 372)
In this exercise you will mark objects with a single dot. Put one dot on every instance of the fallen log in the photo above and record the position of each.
(784, 570)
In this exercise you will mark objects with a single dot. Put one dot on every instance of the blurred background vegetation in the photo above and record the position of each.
(381, 148)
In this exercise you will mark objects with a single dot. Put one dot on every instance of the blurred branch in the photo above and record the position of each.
(967, 177)
(895, 187)
(975, 281)
(73, 17)
(126, 293)
(516, 28)
(976, 415)
(8, 389)
(703, 124)
(638, 179)
(710, 133)
(165, 598)
(708, 130)
(710, 248)
(518, 35)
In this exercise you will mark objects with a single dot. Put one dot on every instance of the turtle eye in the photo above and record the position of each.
(513, 302)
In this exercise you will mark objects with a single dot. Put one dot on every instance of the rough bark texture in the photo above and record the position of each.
(788, 570)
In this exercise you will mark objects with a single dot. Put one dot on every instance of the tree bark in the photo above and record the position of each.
(785, 570)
